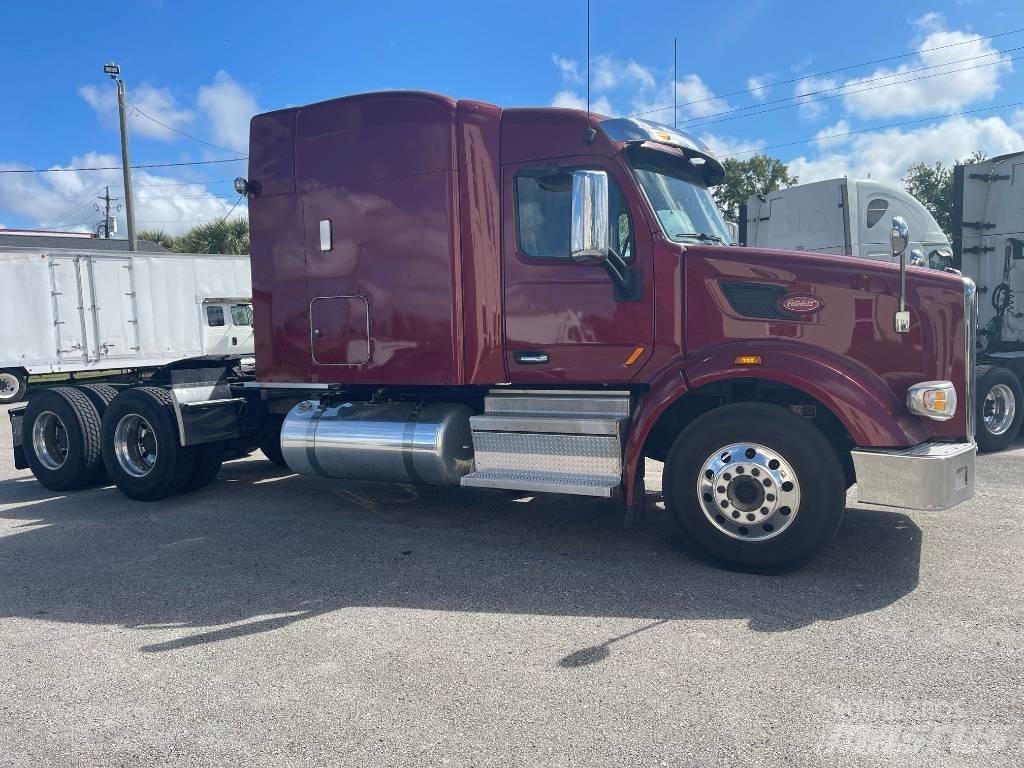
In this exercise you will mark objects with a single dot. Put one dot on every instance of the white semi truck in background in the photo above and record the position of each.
(75, 311)
(851, 217)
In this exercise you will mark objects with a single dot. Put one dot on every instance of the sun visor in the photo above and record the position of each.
(631, 130)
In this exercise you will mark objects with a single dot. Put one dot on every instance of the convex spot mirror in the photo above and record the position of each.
(900, 237)
(590, 230)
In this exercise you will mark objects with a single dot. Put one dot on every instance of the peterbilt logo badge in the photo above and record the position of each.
(801, 304)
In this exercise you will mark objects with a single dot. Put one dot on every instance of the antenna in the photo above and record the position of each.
(675, 93)
(591, 132)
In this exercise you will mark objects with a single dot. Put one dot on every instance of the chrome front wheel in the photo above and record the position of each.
(749, 491)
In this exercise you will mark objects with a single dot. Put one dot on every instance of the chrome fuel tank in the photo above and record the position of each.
(390, 442)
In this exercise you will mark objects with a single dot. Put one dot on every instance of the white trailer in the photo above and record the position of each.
(988, 245)
(843, 216)
(70, 311)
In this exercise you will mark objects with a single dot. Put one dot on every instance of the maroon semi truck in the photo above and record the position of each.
(452, 293)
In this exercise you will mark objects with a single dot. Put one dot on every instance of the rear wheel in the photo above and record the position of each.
(141, 447)
(208, 460)
(755, 487)
(999, 407)
(270, 439)
(61, 439)
(13, 384)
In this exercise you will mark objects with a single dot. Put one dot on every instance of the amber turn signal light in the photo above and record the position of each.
(748, 360)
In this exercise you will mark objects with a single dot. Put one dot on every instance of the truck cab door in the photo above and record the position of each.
(563, 320)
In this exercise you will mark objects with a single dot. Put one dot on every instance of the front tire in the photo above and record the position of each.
(13, 384)
(999, 407)
(754, 487)
(141, 447)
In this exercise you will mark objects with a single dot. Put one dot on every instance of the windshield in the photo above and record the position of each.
(684, 206)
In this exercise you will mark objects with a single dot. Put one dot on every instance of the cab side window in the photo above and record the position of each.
(876, 210)
(241, 314)
(544, 211)
(215, 316)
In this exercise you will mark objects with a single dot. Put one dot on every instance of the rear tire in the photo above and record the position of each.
(13, 385)
(61, 439)
(1000, 406)
(101, 395)
(141, 446)
(208, 460)
(270, 440)
(754, 487)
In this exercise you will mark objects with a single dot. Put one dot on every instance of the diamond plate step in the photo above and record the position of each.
(544, 482)
(539, 402)
(572, 425)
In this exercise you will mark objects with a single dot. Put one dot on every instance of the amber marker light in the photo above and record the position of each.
(634, 356)
(748, 360)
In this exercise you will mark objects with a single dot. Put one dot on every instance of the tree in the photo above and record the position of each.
(932, 185)
(158, 236)
(759, 175)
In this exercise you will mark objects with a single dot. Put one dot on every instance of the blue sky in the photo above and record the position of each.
(205, 68)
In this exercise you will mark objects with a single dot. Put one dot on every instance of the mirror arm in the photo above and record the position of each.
(626, 281)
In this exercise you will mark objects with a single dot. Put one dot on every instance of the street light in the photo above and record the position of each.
(114, 72)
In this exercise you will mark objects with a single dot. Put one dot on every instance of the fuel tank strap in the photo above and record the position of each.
(409, 442)
(314, 462)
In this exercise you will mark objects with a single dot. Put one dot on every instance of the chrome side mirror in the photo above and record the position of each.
(900, 239)
(917, 258)
(589, 237)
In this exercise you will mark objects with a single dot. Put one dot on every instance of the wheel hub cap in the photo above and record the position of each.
(1000, 408)
(135, 445)
(8, 384)
(748, 491)
(50, 440)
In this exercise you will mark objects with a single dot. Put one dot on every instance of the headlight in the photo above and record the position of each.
(934, 399)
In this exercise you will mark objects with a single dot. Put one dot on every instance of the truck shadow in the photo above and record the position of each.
(260, 549)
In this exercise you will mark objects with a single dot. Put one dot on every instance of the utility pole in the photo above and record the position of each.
(106, 199)
(115, 71)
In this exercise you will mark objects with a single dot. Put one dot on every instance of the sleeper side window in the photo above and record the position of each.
(215, 316)
(544, 211)
(876, 210)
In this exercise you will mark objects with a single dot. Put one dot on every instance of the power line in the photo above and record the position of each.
(829, 72)
(842, 90)
(118, 167)
(74, 208)
(183, 133)
(815, 139)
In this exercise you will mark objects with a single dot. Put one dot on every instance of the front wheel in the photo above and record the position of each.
(755, 487)
(13, 384)
(999, 407)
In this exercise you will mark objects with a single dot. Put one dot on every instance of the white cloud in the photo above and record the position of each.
(610, 72)
(573, 100)
(158, 103)
(725, 146)
(569, 68)
(228, 106)
(941, 89)
(886, 155)
(757, 86)
(833, 135)
(65, 200)
(805, 92)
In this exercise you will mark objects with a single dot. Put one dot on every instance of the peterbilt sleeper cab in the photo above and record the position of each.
(448, 292)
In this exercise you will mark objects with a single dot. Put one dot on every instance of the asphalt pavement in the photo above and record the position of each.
(276, 620)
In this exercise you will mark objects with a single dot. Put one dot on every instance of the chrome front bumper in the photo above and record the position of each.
(932, 476)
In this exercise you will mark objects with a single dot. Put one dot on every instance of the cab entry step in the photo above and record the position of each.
(555, 442)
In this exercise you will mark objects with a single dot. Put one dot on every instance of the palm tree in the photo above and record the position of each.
(222, 236)
(158, 236)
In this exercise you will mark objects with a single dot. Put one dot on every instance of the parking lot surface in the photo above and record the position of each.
(277, 620)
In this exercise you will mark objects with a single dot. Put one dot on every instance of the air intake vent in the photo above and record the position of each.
(757, 300)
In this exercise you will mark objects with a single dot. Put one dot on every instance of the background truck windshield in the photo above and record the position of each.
(685, 208)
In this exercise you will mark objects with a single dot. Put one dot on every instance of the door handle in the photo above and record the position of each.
(316, 332)
(234, 340)
(534, 357)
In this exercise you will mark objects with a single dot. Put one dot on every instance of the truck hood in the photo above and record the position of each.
(837, 308)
